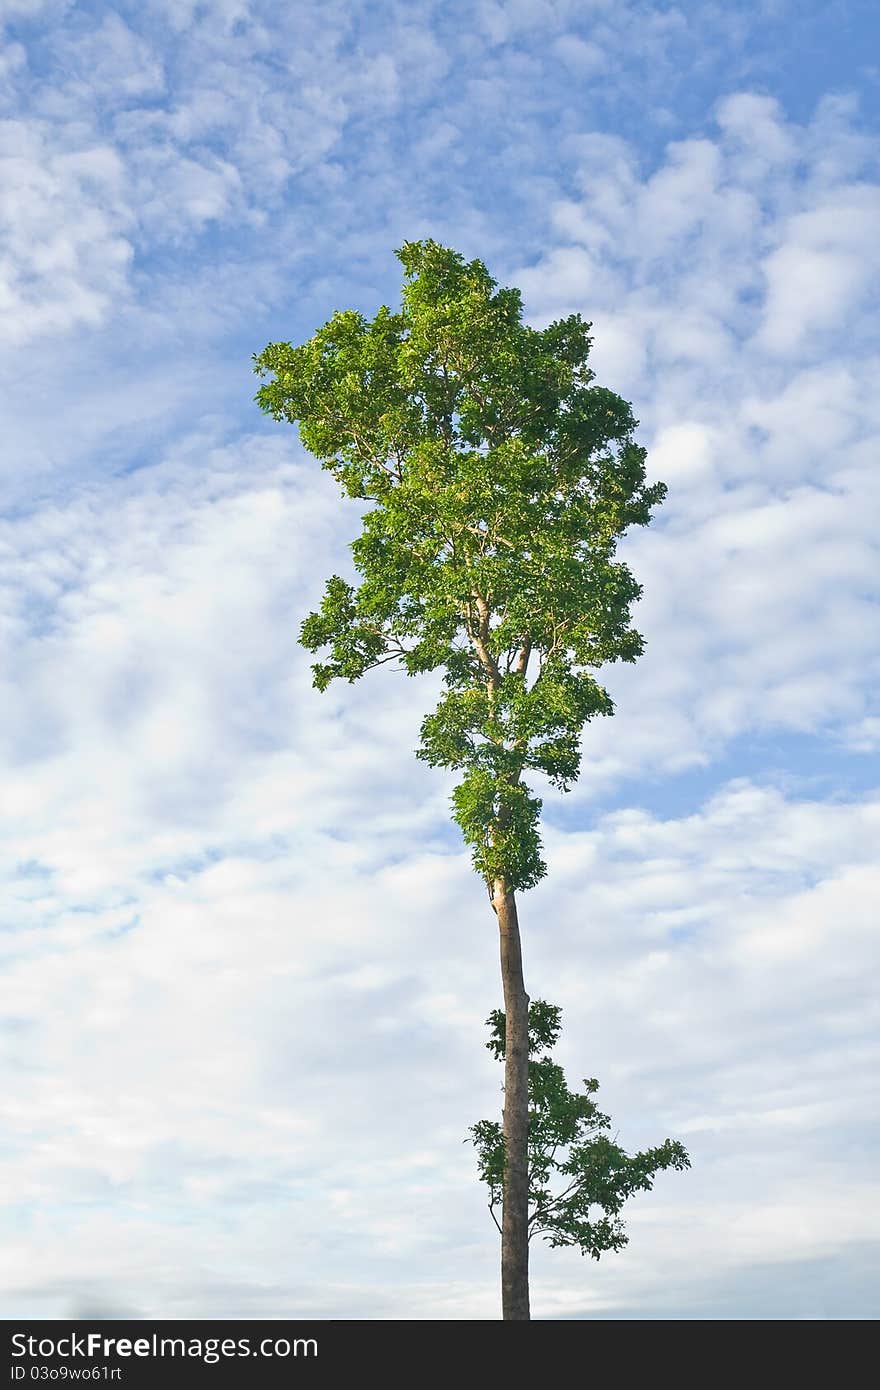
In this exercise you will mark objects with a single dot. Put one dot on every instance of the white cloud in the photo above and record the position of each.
(757, 129)
(64, 232)
(112, 62)
(683, 454)
(827, 260)
(579, 56)
(27, 9)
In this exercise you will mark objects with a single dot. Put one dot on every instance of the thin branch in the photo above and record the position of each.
(555, 1201)
(380, 661)
(494, 1217)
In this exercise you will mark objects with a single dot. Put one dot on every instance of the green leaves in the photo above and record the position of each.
(355, 642)
(579, 1178)
(499, 820)
(498, 479)
(545, 1025)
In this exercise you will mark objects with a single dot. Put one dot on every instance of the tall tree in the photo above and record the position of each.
(499, 478)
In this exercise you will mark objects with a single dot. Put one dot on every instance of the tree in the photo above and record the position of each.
(498, 478)
(567, 1140)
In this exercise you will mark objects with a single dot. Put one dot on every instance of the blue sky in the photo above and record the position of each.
(245, 961)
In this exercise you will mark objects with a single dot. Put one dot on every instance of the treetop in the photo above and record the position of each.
(498, 478)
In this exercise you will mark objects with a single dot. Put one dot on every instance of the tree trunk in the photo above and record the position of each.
(515, 1215)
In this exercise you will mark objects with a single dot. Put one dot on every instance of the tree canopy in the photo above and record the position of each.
(499, 478)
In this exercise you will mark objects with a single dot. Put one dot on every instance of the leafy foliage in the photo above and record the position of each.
(498, 478)
(569, 1150)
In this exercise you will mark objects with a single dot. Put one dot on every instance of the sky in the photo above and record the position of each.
(246, 963)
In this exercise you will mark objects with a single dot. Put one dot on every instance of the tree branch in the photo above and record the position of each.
(494, 1217)
(523, 661)
(555, 1201)
(480, 638)
(381, 660)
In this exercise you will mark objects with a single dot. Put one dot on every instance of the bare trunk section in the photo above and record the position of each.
(515, 1211)
(515, 1216)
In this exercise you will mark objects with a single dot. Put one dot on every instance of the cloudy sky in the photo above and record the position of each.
(245, 961)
